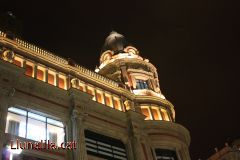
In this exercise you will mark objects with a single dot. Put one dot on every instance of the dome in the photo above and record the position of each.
(115, 42)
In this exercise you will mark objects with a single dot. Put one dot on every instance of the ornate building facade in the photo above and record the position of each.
(231, 152)
(116, 112)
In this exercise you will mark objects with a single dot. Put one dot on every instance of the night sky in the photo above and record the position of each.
(193, 43)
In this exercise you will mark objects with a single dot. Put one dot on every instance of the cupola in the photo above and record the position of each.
(122, 62)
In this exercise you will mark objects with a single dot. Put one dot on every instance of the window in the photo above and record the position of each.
(51, 77)
(108, 100)
(29, 69)
(141, 84)
(33, 126)
(55, 131)
(165, 114)
(165, 154)
(90, 91)
(117, 104)
(82, 87)
(36, 124)
(99, 97)
(146, 112)
(17, 61)
(156, 113)
(16, 122)
(104, 147)
(62, 81)
(40, 73)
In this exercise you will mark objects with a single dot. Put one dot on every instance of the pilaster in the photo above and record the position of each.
(3, 118)
(57, 79)
(134, 131)
(129, 149)
(46, 75)
(35, 70)
(77, 119)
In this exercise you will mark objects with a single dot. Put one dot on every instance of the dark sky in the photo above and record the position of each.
(193, 43)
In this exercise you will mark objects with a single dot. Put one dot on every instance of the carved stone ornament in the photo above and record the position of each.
(129, 105)
(75, 83)
(8, 55)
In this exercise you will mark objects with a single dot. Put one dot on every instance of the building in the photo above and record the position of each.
(116, 112)
(228, 152)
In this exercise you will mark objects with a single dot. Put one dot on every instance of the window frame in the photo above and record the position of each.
(46, 122)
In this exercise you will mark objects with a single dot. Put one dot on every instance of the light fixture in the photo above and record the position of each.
(97, 69)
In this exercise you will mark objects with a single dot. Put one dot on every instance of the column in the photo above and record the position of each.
(78, 135)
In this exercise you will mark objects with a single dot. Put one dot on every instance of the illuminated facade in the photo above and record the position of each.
(116, 112)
